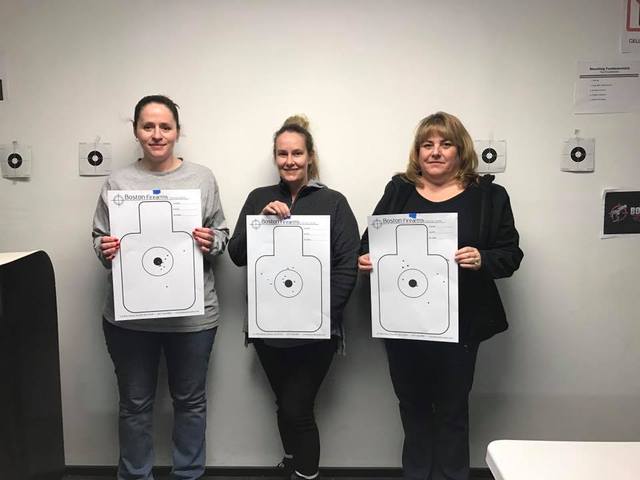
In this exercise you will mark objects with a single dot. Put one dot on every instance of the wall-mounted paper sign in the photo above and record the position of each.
(492, 155)
(578, 155)
(603, 87)
(621, 209)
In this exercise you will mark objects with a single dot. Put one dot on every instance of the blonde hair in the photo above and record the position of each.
(300, 124)
(450, 128)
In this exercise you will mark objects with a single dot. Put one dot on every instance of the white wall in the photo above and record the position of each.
(364, 72)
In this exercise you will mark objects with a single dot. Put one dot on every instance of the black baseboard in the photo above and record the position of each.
(363, 472)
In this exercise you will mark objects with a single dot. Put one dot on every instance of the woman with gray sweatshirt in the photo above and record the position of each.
(135, 345)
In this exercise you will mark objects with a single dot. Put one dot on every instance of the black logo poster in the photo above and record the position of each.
(621, 212)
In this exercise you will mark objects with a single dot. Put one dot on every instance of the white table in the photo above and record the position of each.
(542, 460)
(8, 257)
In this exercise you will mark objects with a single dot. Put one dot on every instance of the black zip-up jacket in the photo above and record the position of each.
(313, 199)
(498, 246)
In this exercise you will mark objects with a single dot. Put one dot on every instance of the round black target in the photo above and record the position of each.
(14, 160)
(489, 155)
(578, 154)
(94, 158)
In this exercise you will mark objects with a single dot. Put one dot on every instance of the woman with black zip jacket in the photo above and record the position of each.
(432, 380)
(296, 368)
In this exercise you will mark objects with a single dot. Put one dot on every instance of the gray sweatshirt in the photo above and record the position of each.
(187, 176)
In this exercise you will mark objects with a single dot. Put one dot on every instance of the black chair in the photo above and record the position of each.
(31, 441)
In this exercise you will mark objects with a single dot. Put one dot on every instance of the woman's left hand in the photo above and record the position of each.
(469, 257)
(204, 238)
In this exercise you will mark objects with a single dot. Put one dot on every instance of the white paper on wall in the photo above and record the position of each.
(578, 155)
(288, 283)
(158, 271)
(414, 283)
(492, 155)
(603, 87)
(94, 159)
(16, 160)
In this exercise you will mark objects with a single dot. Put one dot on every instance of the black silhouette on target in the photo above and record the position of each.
(489, 155)
(94, 158)
(14, 160)
(578, 154)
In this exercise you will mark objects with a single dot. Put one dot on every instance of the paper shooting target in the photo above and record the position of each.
(492, 155)
(578, 155)
(16, 161)
(94, 159)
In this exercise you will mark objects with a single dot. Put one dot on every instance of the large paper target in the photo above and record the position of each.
(578, 155)
(288, 280)
(492, 155)
(288, 268)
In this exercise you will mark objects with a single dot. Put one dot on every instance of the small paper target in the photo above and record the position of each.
(16, 161)
(578, 155)
(94, 159)
(492, 155)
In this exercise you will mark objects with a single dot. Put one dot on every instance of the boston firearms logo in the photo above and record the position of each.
(619, 213)
(118, 200)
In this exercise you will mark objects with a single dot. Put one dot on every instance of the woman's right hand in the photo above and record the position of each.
(109, 247)
(364, 263)
(280, 209)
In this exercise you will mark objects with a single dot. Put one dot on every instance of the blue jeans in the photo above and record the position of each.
(136, 356)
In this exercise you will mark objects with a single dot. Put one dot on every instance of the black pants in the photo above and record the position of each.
(295, 375)
(432, 381)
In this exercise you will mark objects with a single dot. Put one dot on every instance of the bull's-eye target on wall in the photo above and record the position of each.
(578, 155)
(94, 159)
(492, 155)
(15, 160)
